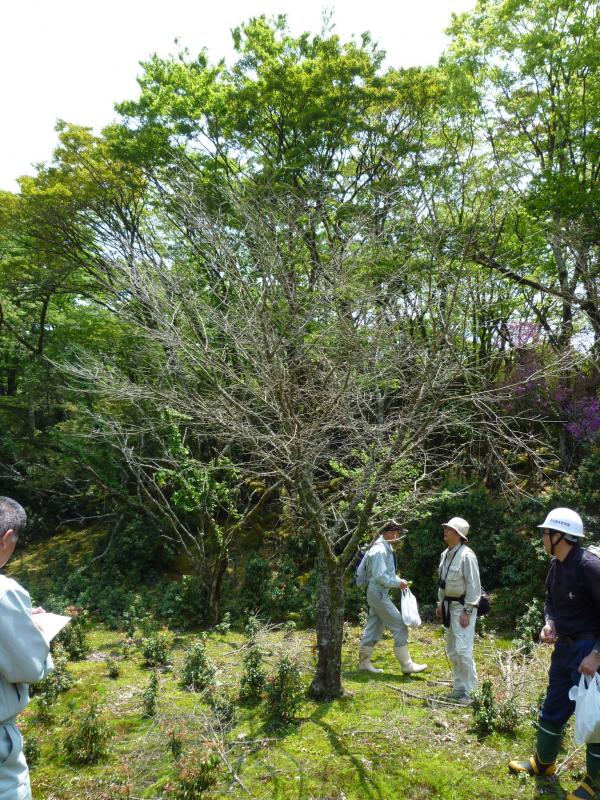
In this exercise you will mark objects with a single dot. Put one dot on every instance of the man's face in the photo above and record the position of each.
(451, 537)
(393, 537)
(549, 537)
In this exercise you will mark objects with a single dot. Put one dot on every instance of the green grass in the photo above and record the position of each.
(391, 739)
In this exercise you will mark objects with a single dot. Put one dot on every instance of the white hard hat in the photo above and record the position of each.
(564, 520)
(458, 524)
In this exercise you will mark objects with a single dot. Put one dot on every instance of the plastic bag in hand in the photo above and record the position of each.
(587, 709)
(409, 609)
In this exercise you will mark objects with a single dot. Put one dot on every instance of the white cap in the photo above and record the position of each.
(566, 521)
(458, 524)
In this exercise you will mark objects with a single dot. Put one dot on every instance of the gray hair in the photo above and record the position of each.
(12, 516)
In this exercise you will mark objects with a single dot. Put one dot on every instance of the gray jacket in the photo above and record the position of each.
(24, 653)
(380, 567)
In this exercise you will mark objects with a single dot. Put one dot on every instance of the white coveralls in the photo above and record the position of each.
(24, 658)
(460, 570)
(380, 568)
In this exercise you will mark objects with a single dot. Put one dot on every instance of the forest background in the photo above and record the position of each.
(284, 300)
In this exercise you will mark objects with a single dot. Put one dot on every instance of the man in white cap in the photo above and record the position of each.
(379, 566)
(572, 612)
(459, 590)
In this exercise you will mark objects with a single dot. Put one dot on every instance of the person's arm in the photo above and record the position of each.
(380, 575)
(23, 650)
(591, 575)
(472, 581)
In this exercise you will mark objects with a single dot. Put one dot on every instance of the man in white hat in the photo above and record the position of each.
(572, 612)
(459, 590)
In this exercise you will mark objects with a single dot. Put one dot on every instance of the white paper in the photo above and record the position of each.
(50, 624)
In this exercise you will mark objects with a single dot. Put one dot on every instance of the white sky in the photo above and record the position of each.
(73, 59)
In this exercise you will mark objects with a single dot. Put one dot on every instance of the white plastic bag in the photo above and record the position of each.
(587, 709)
(409, 609)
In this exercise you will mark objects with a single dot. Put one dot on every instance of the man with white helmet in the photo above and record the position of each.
(572, 612)
(459, 590)
(379, 565)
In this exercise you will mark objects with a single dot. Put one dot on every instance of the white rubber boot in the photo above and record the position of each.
(406, 662)
(364, 660)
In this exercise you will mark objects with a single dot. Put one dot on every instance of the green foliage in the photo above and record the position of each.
(150, 696)
(32, 750)
(73, 637)
(528, 626)
(155, 650)
(175, 744)
(86, 741)
(491, 714)
(223, 709)
(285, 694)
(254, 678)
(484, 708)
(224, 626)
(199, 771)
(183, 603)
(255, 596)
(49, 688)
(113, 667)
(198, 673)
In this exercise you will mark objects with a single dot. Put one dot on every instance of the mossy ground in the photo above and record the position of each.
(391, 739)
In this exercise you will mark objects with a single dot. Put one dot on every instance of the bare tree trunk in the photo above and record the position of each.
(327, 682)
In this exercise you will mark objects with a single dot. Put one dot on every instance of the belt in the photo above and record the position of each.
(460, 599)
(577, 637)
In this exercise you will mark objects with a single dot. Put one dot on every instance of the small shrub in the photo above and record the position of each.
(175, 744)
(484, 708)
(254, 678)
(150, 696)
(225, 625)
(155, 651)
(285, 693)
(74, 637)
(507, 716)
(32, 749)
(252, 626)
(199, 772)
(47, 690)
(87, 740)
(198, 672)
(223, 709)
(528, 627)
(113, 667)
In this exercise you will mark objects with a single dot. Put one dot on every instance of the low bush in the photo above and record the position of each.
(32, 749)
(150, 696)
(74, 636)
(155, 650)
(254, 677)
(285, 694)
(86, 742)
(200, 770)
(198, 672)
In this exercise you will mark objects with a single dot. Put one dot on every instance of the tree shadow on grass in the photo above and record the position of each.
(369, 787)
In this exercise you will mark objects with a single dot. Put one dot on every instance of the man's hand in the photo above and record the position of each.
(438, 612)
(589, 665)
(464, 619)
(548, 632)
(403, 584)
(38, 610)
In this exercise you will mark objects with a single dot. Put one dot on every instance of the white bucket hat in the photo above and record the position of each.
(460, 525)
